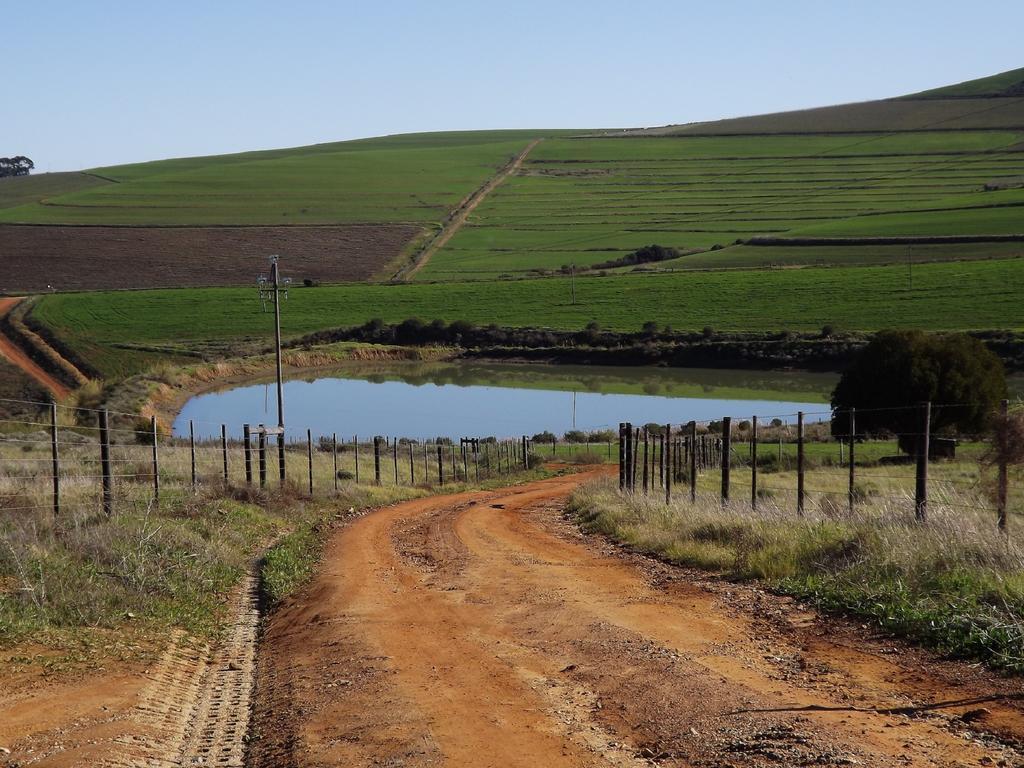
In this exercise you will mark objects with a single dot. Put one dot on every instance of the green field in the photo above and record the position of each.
(945, 296)
(585, 201)
(412, 178)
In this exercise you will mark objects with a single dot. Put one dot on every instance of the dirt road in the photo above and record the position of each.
(17, 357)
(482, 629)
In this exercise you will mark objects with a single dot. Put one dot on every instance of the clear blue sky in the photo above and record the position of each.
(104, 82)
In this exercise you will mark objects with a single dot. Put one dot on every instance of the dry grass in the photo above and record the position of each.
(955, 583)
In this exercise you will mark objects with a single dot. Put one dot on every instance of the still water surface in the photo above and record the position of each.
(454, 399)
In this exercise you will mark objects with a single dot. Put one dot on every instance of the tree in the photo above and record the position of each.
(19, 165)
(898, 370)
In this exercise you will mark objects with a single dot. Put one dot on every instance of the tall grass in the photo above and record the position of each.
(954, 583)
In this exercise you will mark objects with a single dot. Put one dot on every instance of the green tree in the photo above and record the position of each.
(18, 165)
(898, 370)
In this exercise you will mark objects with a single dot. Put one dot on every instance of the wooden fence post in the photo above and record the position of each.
(247, 452)
(726, 456)
(412, 464)
(355, 450)
(108, 481)
(636, 456)
(923, 440)
(622, 456)
(646, 473)
(224, 450)
(155, 459)
(440, 465)
(309, 457)
(192, 450)
(526, 456)
(1003, 447)
(394, 450)
(334, 455)
(851, 500)
(753, 463)
(666, 445)
(376, 459)
(800, 462)
(693, 461)
(262, 445)
(54, 460)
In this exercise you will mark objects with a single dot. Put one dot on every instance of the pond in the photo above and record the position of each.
(448, 399)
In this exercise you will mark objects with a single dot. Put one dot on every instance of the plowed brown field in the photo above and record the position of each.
(481, 629)
(36, 258)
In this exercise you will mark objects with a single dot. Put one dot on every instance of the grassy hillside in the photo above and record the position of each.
(967, 295)
(1005, 84)
(585, 201)
(24, 190)
(375, 181)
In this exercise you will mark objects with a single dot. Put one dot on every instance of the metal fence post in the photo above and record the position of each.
(224, 450)
(309, 455)
(753, 463)
(192, 450)
(726, 456)
(800, 463)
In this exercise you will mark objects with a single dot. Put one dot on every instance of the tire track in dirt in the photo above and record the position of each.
(189, 708)
(481, 629)
(17, 356)
(459, 216)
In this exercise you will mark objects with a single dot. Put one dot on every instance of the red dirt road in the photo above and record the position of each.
(481, 629)
(17, 357)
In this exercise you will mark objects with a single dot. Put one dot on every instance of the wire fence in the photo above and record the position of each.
(834, 461)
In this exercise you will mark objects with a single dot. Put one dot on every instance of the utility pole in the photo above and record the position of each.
(272, 290)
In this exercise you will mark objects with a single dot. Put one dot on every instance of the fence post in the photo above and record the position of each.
(464, 444)
(693, 461)
(554, 444)
(224, 450)
(526, 457)
(852, 457)
(1003, 447)
(636, 457)
(334, 451)
(262, 443)
(622, 456)
(666, 445)
(108, 481)
(923, 440)
(309, 457)
(726, 456)
(753, 463)
(247, 452)
(156, 459)
(280, 456)
(55, 460)
(476, 457)
(440, 465)
(355, 446)
(192, 450)
(412, 464)
(376, 459)
(800, 462)
(646, 473)
(394, 451)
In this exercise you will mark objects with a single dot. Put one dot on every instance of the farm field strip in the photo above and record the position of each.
(945, 296)
(574, 195)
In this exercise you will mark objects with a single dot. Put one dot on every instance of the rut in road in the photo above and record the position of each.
(482, 629)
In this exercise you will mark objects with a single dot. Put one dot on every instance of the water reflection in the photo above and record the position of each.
(452, 399)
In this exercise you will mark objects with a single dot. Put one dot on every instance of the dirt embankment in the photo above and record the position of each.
(18, 357)
(69, 258)
(483, 630)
